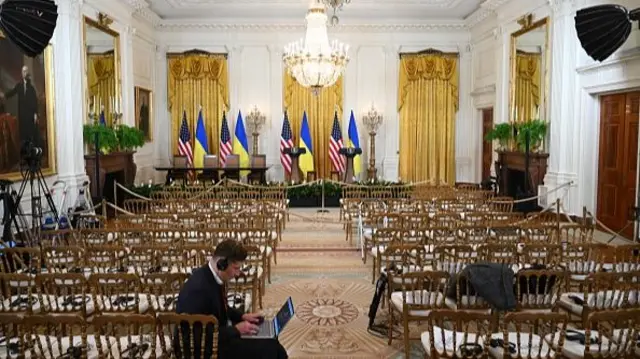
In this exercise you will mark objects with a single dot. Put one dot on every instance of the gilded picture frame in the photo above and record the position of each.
(144, 112)
(39, 88)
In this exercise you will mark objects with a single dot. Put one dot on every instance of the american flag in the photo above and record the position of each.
(335, 144)
(184, 141)
(286, 141)
(225, 141)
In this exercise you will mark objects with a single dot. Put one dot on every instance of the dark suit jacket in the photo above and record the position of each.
(27, 107)
(201, 294)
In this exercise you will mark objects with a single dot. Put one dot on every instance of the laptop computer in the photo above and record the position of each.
(271, 328)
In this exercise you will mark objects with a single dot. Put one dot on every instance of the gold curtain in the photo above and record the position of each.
(101, 78)
(198, 79)
(428, 102)
(320, 111)
(527, 86)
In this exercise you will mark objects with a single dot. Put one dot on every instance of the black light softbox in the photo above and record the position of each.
(29, 23)
(603, 29)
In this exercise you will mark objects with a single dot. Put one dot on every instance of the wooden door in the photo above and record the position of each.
(487, 146)
(617, 163)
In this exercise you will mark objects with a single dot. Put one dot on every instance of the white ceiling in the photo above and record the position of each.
(294, 10)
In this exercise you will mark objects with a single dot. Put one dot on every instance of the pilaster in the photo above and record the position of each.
(391, 124)
(564, 97)
(234, 61)
(276, 114)
(69, 107)
(466, 134)
(127, 77)
(162, 125)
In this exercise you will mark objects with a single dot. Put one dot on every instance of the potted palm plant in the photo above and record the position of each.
(502, 133)
(536, 129)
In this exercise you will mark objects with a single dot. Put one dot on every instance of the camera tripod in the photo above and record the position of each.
(13, 213)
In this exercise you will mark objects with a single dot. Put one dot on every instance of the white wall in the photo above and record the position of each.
(576, 82)
(255, 77)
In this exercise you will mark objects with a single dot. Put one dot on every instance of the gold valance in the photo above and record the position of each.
(195, 80)
(443, 67)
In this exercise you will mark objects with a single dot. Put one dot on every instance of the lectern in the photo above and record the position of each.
(350, 153)
(295, 153)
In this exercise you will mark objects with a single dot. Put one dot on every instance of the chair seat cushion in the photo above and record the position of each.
(534, 349)
(445, 342)
(423, 298)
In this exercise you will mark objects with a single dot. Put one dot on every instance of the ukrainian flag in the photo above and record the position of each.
(305, 161)
(201, 145)
(354, 142)
(240, 144)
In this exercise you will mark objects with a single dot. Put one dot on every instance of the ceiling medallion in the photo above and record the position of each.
(313, 61)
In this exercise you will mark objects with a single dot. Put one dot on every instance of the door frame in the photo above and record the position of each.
(492, 169)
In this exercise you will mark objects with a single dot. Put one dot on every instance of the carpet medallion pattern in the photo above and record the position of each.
(331, 292)
(327, 312)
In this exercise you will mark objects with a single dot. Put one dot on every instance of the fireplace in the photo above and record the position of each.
(516, 185)
(510, 169)
(109, 184)
(117, 166)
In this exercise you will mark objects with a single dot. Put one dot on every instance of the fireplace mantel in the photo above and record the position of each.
(515, 161)
(109, 163)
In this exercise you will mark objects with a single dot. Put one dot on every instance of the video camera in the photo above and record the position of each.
(31, 155)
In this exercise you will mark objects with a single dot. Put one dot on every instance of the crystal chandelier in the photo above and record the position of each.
(313, 61)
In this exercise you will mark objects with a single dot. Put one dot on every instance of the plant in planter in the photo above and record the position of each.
(537, 130)
(107, 139)
(129, 138)
(501, 132)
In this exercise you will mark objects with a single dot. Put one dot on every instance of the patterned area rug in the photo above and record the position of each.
(331, 291)
(309, 230)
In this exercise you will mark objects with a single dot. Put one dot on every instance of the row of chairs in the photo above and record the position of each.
(115, 336)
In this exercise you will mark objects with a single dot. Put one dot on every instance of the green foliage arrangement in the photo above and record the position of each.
(501, 132)
(122, 138)
(129, 138)
(537, 129)
(107, 138)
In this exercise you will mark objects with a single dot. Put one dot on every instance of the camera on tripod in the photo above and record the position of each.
(31, 155)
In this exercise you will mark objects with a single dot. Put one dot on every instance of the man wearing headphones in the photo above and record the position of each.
(205, 293)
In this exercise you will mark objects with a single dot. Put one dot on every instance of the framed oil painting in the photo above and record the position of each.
(144, 106)
(26, 109)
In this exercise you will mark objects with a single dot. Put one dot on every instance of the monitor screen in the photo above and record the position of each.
(284, 315)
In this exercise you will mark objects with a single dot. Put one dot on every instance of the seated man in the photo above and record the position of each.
(205, 293)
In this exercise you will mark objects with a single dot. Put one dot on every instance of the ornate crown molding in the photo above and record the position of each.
(486, 9)
(142, 11)
(234, 27)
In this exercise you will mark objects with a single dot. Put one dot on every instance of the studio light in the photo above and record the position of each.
(603, 29)
(29, 23)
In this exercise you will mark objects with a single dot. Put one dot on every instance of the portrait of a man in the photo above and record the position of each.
(143, 112)
(24, 111)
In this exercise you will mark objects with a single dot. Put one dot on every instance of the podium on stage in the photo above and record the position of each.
(295, 153)
(349, 153)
